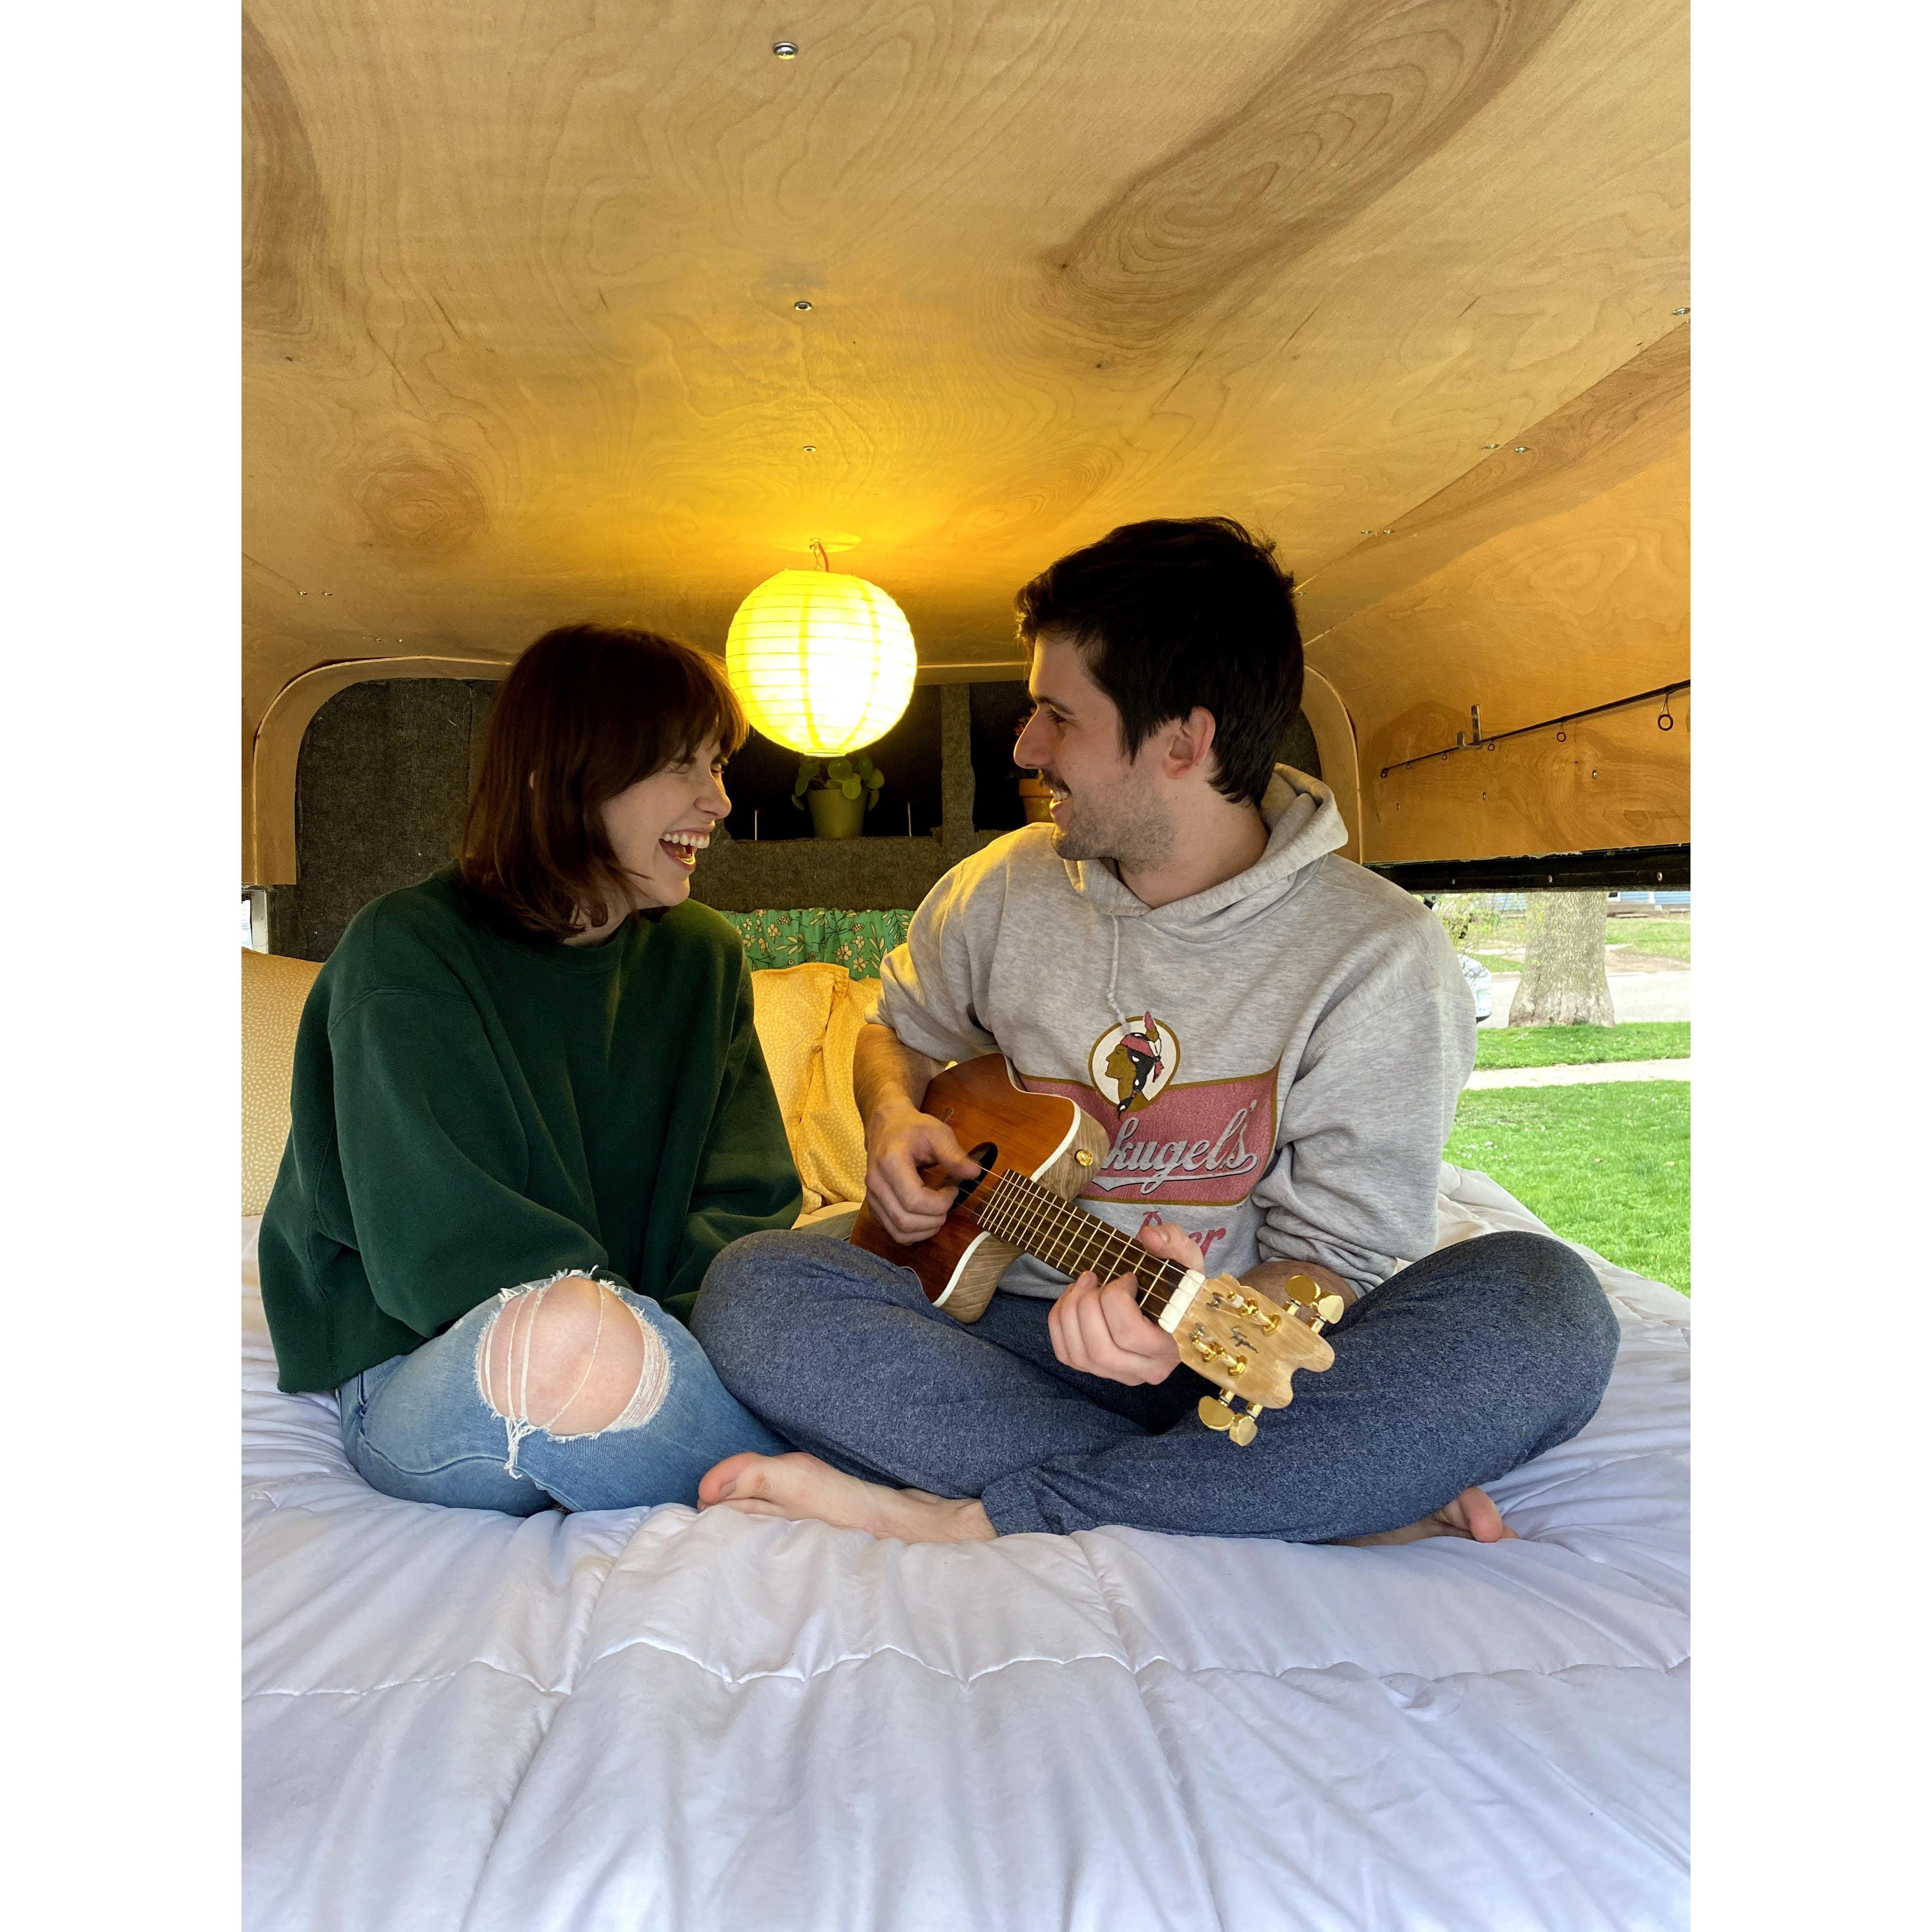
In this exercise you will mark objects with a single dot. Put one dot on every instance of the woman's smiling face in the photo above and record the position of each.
(658, 826)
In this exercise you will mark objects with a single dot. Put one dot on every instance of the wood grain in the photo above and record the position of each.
(1361, 98)
(520, 344)
(1616, 427)
(1576, 610)
(1615, 781)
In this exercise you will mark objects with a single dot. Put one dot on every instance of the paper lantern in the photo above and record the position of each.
(821, 662)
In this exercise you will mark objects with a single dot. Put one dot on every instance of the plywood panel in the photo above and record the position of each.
(1632, 419)
(1609, 781)
(1570, 612)
(520, 338)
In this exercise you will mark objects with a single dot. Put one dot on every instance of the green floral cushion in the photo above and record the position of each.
(859, 941)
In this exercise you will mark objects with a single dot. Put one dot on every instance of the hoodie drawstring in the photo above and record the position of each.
(1113, 971)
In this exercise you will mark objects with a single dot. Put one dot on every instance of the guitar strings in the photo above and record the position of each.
(1030, 1211)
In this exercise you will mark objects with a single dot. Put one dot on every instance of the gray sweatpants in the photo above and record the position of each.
(1462, 1367)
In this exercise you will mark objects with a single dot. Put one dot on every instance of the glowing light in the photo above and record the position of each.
(821, 662)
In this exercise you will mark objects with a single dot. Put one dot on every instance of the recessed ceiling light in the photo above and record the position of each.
(801, 306)
(810, 447)
(1680, 311)
(1493, 445)
(1522, 449)
(785, 49)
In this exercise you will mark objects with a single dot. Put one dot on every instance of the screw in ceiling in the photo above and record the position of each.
(785, 49)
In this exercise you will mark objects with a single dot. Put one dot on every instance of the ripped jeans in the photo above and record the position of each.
(419, 1426)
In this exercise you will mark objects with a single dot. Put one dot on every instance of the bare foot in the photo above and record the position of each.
(1472, 1515)
(802, 1489)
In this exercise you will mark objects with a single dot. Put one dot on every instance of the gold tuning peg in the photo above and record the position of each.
(1325, 1308)
(1218, 1413)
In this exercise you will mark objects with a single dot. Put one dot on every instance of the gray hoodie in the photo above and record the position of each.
(1277, 1059)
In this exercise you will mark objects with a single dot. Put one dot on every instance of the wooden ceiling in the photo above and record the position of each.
(523, 340)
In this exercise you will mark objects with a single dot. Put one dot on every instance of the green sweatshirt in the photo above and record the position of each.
(474, 1108)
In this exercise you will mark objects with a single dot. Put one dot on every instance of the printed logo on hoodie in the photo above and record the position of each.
(1133, 1061)
(1204, 1142)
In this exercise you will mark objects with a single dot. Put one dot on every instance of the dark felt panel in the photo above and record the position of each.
(386, 765)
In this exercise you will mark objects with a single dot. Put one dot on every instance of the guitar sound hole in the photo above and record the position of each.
(982, 1156)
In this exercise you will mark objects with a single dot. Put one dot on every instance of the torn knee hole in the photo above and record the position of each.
(571, 1358)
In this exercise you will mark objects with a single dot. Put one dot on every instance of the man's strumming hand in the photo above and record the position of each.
(1101, 1331)
(900, 1140)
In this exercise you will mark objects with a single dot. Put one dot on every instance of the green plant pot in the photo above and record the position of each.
(835, 816)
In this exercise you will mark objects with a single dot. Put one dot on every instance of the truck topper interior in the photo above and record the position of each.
(567, 310)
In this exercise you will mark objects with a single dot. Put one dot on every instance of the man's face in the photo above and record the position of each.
(1105, 804)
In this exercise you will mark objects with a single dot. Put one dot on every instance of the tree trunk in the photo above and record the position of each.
(1564, 981)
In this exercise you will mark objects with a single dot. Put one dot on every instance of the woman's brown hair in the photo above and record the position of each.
(585, 712)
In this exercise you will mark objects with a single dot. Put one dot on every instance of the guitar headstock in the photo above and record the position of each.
(1251, 1347)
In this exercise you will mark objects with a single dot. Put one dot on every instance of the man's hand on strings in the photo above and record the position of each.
(1100, 1330)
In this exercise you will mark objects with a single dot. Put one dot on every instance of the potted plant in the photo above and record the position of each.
(840, 792)
(1035, 800)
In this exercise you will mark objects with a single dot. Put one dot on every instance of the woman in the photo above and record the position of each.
(529, 1107)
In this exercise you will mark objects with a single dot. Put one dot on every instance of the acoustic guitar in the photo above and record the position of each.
(1035, 1152)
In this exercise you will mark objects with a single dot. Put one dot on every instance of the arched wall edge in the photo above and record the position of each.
(268, 819)
(268, 797)
(1335, 739)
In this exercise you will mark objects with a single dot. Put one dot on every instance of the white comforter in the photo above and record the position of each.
(655, 1719)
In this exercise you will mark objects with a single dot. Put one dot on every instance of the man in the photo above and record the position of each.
(1274, 1040)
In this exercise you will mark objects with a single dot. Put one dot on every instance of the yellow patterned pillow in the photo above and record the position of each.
(831, 1143)
(274, 991)
(790, 1005)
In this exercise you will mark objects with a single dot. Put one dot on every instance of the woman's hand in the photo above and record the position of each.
(1101, 1331)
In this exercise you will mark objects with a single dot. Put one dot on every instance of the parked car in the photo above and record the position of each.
(1477, 976)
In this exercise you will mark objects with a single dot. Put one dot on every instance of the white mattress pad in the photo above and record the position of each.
(661, 1719)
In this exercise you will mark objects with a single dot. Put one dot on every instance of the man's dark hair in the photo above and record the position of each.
(1176, 612)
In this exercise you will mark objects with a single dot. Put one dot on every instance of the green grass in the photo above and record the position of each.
(1608, 1165)
(1583, 1045)
(1666, 938)
(1669, 938)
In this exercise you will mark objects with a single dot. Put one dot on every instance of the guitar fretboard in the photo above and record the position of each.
(1020, 1210)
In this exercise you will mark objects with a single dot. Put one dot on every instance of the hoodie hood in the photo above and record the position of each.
(1304, 826)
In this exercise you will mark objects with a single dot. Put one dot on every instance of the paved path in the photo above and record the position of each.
(1633, 996)
(1582, 1076)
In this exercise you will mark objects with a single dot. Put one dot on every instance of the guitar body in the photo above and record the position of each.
(1042, 1136)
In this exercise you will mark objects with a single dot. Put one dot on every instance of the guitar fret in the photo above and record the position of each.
(1019, 1210)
